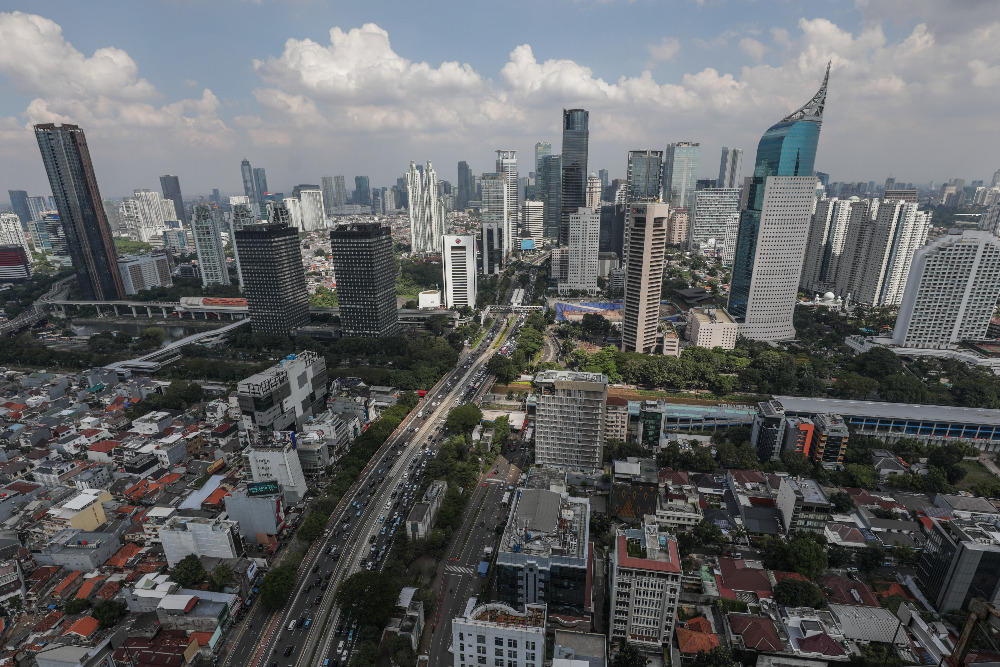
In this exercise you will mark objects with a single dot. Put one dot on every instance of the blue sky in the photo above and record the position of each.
(309, 88)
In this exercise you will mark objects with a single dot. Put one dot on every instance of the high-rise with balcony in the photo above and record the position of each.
(274, 279)
(775, 223)
(339, 192)
(899, 230)
(426, 210)
(313, 210)
(730, 167)
(208, 244)
(680, 173)
(951, 291)
(366, 279)
(12, 233)
(459, 271)
(66, 157)
(507, 165)
(645, 587)
(716, 213)
(171, 188)
(570, 419)
(575, 146)
(582, 267)
(645, 255)
(550, 192)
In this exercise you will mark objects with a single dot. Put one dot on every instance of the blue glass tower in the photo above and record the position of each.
(788, 148)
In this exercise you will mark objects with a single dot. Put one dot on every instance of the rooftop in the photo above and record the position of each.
(497, 613)
(547, 523)
(899, 411)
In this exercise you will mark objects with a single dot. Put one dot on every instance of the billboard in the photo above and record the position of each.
(267, 488)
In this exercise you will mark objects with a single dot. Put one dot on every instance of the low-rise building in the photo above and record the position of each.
(495, 633)
(616, 418)
(424, 513)
(182, 536)
(711, 327)
(258, 508)
(645, 587)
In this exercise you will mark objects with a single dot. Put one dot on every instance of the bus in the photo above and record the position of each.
(506, 499)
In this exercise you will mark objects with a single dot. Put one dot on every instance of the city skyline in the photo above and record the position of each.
(379, 96)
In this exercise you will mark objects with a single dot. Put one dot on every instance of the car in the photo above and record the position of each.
(359, 513)
(299, 623)
(319, 598)
(340, 629)
(288, 650)
(309, 622)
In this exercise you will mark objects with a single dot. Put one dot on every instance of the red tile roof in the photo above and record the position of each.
(88, 587)
(108, 590)
(624, 560)
(689, 641)
(736, 576)
(821, 643)
(848, 591)
(49, 622)
(84, 627)
(23, 488)
(202, 637)
(699, 624)
(124, 555)
(67, 582)
(758, 633)
(781, 576)
(104, 446)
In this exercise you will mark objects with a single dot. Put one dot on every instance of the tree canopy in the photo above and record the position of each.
(464, 418)
(277, 587)
(188, 571)
(797, 593)
(369, 596)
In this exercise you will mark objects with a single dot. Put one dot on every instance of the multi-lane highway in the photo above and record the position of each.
(310, 629)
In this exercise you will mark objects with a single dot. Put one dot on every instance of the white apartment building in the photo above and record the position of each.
(781, 243)
(12, 233)
(507, 165)
(712, 327)
(459, 260)
(278, 462)
(951, 291)
(716, 212)
(497, 635)
(900, 229)
(533, 220)
(645, 587)
(313, 210)
(209, 246)
(584, 238)
(426, 211)
(569, 427)
(141, 272)
(181, 536)
(645, 256)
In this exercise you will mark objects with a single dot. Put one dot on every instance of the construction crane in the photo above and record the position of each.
(979, 610)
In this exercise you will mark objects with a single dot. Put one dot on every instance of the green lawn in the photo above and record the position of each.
(975, 472)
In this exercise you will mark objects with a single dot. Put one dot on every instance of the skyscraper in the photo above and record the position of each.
(260, 186)
(466, 186)
(715, 211)
(775, 223)
(171, 188)
(593, 195)
(339, 192)
(426, 210)
(951, 291)
(645, 256)
(313, 210)
(582, 269)
(570, 419)
(208, 244)
(730, 167)
(242, 216)
(366, 279)
(680, 173)
(274, 280)
(550, 192)
(507, 165)
(495, 218)
(575, 142)
(542, 149)
(533, 220)
(19, 204)
(66, 157)
(604, 176)
(459, 259)
(328, 195)
(12, 233)
(362, 191)
(644, 175)
(249, 188)
(900, 229)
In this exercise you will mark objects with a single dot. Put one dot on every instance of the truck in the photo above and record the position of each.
(484, 567)
(488, 553)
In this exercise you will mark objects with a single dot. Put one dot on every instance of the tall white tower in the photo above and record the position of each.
(426, 212)
(507, 165)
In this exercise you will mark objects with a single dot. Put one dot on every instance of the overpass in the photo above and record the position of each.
(157, 359)
(36, 312)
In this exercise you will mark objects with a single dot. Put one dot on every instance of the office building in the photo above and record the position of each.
(465, 188)
(775, 223)
(645, 256)
(507, 165)
(366, 279)
(171, 187)
(645, 587)
(678, 223)
(644, 178)
(829, 442)
(329, 198)
(12, 233)
(951, 291)
(208, 244)
(275, 459)
(584, 236)
(15, 262)
(575, 143)
(19, 204)
(497, 634)
(426, 210)
(182, 536)
(240, 217)
(593, 195)
(612, 236)
(274, 280)
(730, 167)
(899, 230)
(768, 432)
(141, 272)
(711, 327)
(249, 188)
(284, 396)
(716, 212)
(533, 222)
(495, 220)
(543, 555)
(680, 173)
(339, 192)
(961, 561)
(569, 428)
(542, 150)
(491, 248)
(66, 157)
(260, 187)
(459, 259)
(313, 210)
(362, 192)
(550, 192)
(259, 510)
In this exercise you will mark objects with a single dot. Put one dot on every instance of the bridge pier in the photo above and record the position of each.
(163, 309)
(149, 312)
(115, 306)
(99, 313)
(134, 314)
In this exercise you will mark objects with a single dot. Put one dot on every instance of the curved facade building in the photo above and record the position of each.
(774, 224)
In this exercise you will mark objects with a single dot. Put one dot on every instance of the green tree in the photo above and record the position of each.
(796, 463)
(277, 587)
(503, 368)
(871, 557)
(501, 429)
(902, 388)
(807, 557)
(904, 554)
(188, 571)
(464, 418)
(76, 606)
(717, 657)
(109, 612)
(221, 576)
(312, 527)
(798, 593)
(369, 597)
(842, 501)
(838, 556)
(860, 475)
(629, 656)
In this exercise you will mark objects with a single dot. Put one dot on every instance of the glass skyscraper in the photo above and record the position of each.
(680, 173)
(171, 188)
(643, 180)
(575, 141)
(783, 173)
(362, 192)
(66, 157)
(550, 192)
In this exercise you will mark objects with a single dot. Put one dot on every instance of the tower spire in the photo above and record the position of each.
(812, 110)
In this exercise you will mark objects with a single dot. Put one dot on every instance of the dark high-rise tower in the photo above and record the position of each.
(362, 192)
(88, 236)
(249, 189)
(260, 187)
(643, 180)
(366, 279)
(171, 187)
(466, 184)
(19, 202)
(550, 192)
(274, 279)
(575, 140)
